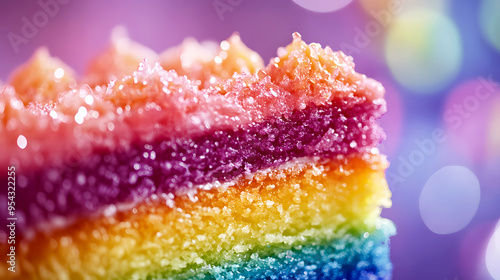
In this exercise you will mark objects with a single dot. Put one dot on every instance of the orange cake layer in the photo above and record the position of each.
(302, 202)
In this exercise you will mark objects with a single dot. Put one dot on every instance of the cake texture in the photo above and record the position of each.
(196, 163)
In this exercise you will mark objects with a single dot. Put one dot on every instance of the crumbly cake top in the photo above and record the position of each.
(45, 103)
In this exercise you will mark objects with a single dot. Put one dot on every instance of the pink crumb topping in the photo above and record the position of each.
(154, 103)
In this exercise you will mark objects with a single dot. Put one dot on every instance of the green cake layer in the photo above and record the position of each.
(353, 256)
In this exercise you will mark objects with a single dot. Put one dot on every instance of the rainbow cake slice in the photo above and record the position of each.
(196, 163)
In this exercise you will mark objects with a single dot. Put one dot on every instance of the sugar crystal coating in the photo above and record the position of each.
(43, 78)
(311, 70)
(157, 104)
(119, 59)
(204, 166)
(348, 257)
(208, 64)
(172, 166)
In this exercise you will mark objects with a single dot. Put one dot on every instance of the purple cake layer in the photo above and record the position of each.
(176, 165)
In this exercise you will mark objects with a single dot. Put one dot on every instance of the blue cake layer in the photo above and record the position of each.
(360, 257)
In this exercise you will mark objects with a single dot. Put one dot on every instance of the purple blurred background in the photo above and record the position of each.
(439, 61)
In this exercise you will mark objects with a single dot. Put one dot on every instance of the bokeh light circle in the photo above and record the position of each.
(449, 199)
(471, 116)
(435, 5)
(471, 252)
(423, 50)
(375, 7)
(322, 6)
(489, 17)
(493, 254)
(22, 142)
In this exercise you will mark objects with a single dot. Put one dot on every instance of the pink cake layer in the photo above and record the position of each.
(155, 104)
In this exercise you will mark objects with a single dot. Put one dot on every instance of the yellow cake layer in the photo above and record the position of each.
(296, 204)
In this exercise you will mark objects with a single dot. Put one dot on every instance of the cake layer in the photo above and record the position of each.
(170, 166)
(356, 257)
(232, 169)
(154, 104)
(296, 204)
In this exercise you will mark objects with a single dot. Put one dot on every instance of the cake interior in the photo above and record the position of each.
(317, 205)
(236, 170)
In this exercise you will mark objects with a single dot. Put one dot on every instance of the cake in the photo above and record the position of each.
(196, 163)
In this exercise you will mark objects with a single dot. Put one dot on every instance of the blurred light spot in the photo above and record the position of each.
(80, 116)
(471, 251)
(493, 254)
(322, 6)
(449, 199)
(110, 210)
(16, 103)
(22, 142)
(489, 16)
(224, 45)
(376, 7)
(81, 179)
(423, 50)
(89, 99)
(111, 126)
(59, 73)
(470, 115)
(53, 114)
(436, 5)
